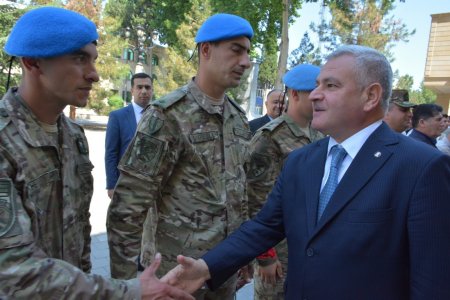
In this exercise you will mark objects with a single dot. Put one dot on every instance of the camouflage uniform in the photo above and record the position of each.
(182, 187)
(269, 148)
(45, 192)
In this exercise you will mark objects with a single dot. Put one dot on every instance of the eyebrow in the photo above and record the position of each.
(83, 53)
(241, 46)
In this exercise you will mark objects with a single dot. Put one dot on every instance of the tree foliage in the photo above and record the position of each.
(8, 16)
(305, 53)
(361, 22)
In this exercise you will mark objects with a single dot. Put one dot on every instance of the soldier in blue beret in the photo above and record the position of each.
(185, 165)
(46, 183)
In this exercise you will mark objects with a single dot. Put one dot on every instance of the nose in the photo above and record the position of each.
(315, 95)
(245, 61)
(92, 74)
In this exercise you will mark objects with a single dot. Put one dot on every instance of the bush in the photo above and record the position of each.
(115, 102)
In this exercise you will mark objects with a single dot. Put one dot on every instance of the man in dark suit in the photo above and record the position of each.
(382, 233)
(274, 106)
(122, 126)
(427, 123)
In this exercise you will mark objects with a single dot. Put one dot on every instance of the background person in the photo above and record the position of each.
(45, 172)
(274, 106)
(122, 126)
(427, 123)
(399, 115)
(269, 149)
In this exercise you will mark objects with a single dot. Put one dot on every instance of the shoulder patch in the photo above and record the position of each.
(146, 155)
(7, 208)
(259, 164)
(154, 124)
(171, 98)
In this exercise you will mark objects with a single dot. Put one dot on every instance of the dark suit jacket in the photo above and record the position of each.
(119, 133)
(385, 233)
(423, 138)
(255, 124)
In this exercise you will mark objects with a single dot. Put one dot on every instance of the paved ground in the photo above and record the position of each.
(99, 207)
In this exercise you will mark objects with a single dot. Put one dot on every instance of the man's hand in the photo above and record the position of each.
(154, 289)
(271, 273)
(110, 193)
(189, 275)
(245, 275)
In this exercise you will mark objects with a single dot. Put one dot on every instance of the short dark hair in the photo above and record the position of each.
(139, 75)
(424, 111)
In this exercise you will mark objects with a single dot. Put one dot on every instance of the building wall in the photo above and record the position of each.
(437, 68)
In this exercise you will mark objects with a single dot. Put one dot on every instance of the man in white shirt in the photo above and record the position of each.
(122, 124)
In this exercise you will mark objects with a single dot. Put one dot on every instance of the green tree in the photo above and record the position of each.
(8, 16)
(422, 95)
(269, 20)
(305, 53)
(405, 82)
(361, 22)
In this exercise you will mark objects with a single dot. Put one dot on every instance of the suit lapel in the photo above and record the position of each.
(372, 156)
(313, 180)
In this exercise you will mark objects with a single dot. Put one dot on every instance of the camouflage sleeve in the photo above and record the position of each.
(265, 162)
(144, 168)
(26, 272)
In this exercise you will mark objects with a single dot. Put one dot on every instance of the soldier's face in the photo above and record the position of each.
(68, 79)
(228, 60)
(398, 118)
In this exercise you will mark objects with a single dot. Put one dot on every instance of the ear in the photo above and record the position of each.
(32, 65)
(374, 95)
(294, 95)
(205, 49)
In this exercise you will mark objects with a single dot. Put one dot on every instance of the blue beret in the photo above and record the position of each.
(223, 27)
(302, 77)
(49, 32)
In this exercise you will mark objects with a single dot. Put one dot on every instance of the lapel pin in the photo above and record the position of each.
(377, 154)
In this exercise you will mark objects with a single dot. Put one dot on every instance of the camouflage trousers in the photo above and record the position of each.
(267, 291)
(226, 291)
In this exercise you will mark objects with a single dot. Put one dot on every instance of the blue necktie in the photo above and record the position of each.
(337, 156)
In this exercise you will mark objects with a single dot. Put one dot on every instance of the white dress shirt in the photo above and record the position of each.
(352, 145)
(137, 111)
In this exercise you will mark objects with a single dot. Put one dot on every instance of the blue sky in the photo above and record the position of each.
(410, 57)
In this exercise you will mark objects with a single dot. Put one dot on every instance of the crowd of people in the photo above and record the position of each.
(340, 192)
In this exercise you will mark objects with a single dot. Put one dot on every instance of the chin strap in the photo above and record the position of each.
(9, 72)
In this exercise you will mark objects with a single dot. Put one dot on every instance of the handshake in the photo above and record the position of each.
(178, 283)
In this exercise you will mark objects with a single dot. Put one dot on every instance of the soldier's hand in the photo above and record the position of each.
(154, 289)
(189, 275)
(271, 273)
(110, 193)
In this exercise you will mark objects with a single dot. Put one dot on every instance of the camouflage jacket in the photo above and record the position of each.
(268, 150)
(182, 187)
(45, 193)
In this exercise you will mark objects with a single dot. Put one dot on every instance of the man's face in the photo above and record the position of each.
(274, 104)
(228, 61)
(142, 91)
(444, 123)
(68, 78)
(398, 117)
(338, 100)
(431, 126)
